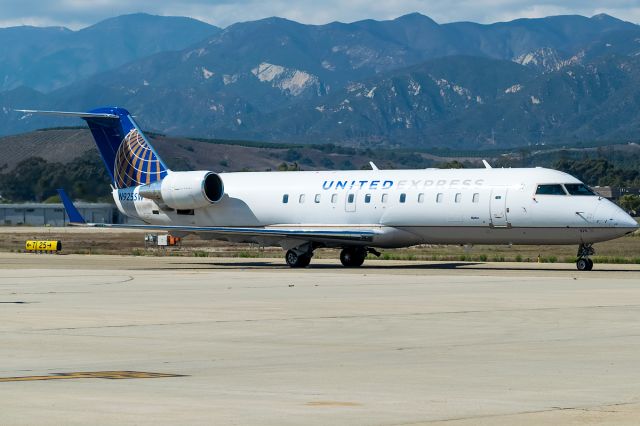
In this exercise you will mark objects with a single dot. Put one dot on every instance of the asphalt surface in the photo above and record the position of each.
(164, 340)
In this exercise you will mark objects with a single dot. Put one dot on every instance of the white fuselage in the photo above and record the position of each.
(408, 207)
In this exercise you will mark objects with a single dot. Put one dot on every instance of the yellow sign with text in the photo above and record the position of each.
(37, 245)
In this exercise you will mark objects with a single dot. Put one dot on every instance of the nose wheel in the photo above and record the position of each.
(584, 263)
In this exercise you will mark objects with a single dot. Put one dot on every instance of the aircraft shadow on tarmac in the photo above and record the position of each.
(273, 265)
(479, 266)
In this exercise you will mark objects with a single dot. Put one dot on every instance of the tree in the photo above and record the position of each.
(630, 203)
(36, 179)
(455, 164)
(598, 172)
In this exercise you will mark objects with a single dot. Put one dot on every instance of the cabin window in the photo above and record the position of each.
(351, 198)
(578, 189)
(334, 198)
(155, 211)
(476, 197)
(385, 197)
(285, 198)
(367, 198)
(301, 199)
(317, 199)
(439, 197)
(458, 197)
(555, 189)
(188, 212)
(403, 198)
(421, 197)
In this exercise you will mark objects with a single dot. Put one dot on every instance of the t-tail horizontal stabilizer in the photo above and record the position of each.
(127, 154)
(69, 114)
(74, 215)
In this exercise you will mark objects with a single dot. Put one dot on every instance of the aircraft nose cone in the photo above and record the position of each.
(627, 222)
(611, 215)
(619, 218)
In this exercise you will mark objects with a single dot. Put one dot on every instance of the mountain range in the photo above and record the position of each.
(405, 82)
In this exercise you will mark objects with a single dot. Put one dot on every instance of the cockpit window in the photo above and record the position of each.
(578, 189)
(550, 190)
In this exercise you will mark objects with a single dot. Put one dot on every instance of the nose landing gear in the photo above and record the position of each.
(584, 263)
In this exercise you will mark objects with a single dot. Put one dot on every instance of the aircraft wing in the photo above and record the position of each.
(285, 231)
(301, 233)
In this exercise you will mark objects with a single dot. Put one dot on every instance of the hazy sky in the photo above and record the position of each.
(80, 13)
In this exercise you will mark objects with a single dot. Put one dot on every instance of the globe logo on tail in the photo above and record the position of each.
(136, 163)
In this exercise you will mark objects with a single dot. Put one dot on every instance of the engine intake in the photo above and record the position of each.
(186, 190)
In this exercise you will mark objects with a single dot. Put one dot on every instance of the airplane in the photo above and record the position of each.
(358, 211)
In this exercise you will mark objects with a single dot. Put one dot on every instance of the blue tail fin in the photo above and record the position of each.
(72, 211)
(126, 152)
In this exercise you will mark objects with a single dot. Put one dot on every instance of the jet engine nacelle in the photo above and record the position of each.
(186, 190)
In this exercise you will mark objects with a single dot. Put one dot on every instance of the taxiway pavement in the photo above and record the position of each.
(249, 341)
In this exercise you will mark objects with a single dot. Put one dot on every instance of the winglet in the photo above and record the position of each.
(72, 211)
(486, 164)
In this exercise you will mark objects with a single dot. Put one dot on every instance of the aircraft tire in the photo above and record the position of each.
(352, 257)
(590, 266)
(295, 260)
(583, 264)
(305, 260)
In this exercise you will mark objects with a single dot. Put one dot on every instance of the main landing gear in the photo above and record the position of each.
(584, 263)
(351, 257)
(298, 260)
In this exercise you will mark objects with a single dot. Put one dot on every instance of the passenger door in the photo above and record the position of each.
(350, 202)
(498, 207)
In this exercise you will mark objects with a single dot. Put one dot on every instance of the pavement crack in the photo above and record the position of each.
(594, 408)
(337, 317)
(127, 279)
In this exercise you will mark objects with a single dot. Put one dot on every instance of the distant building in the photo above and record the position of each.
(608, 192)
(614, 192)
(40, 214)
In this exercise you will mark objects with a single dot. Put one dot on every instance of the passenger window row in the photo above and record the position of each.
(384, 198)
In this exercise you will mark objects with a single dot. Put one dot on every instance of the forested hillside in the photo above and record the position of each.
(25, 174)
